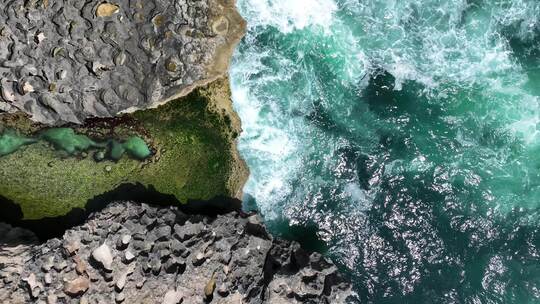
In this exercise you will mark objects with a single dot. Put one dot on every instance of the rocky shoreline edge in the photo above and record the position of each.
(138, 253)
(158, 71)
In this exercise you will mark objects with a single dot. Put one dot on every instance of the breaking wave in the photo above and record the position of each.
(404, 135)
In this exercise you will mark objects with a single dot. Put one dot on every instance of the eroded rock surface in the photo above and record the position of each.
(68, 60)
(193, 157)
(161, 255)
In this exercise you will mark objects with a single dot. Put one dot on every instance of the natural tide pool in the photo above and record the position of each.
(68, 141)
(402, 138)
(163, 155)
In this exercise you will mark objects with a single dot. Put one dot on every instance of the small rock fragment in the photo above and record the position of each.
(120, 59)
(223, 290)
(108, 276)
(172, 265)
(72, 247)
(210, 287)
(61, 74)
(33, 285)
(107, 9)
(147, 220)
(80, 266)
(99, 156)
(172, 297)
(98, 67)
(48, 264)
(123, 242)
(77, 286)
(52, 299)
(58, 51)
(155, 264)
(27, 88)
(120, 297)
(103, 255)
(199, 259)
(188, 231)
(256, 227)
(40, 37)
(162, 233)
(121, 282)
(7, 91)
(128, 257)
(60, 265)
(140, 283)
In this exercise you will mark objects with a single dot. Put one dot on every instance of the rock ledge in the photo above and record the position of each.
(135, 253)
(66, 61)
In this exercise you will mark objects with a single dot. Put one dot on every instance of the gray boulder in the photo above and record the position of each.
(66, 61)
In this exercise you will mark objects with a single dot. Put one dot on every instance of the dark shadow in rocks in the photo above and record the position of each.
(212, 207)
(45, 228)
(249, 203)
(306, 234)
(48, 228)
(13, 237)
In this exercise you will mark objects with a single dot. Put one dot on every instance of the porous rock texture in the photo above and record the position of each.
(137, 253)
(69, 60)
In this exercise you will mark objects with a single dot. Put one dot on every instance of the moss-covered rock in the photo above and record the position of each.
(185, 148)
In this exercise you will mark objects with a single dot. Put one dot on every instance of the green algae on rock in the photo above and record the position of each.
(192, 156)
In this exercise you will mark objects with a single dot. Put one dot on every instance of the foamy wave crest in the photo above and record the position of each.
(456, 51)
(265, 143)
(289, 15)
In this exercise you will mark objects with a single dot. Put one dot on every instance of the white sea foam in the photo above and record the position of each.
(358, 196)
(265, 143)
(444, 46)
(467, 130)
(289, 15)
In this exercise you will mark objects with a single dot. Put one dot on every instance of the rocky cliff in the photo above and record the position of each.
(102, 96)
(132, 253)
(126, 100)
(193, 158)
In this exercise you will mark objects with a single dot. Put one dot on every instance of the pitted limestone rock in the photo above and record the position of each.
(234, 265)
(68, 60)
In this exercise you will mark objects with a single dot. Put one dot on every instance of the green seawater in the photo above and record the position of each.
(67, 141)
(400, 137)
(10, 142)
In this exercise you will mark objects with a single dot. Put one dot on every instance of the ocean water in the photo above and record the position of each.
(401, 138)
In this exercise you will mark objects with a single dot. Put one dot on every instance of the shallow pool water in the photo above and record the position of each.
(69, 142)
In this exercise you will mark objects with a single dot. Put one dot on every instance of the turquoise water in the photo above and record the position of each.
(71, 143)
(400, 137)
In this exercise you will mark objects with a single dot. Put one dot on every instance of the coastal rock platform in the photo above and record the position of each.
(137, 253)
